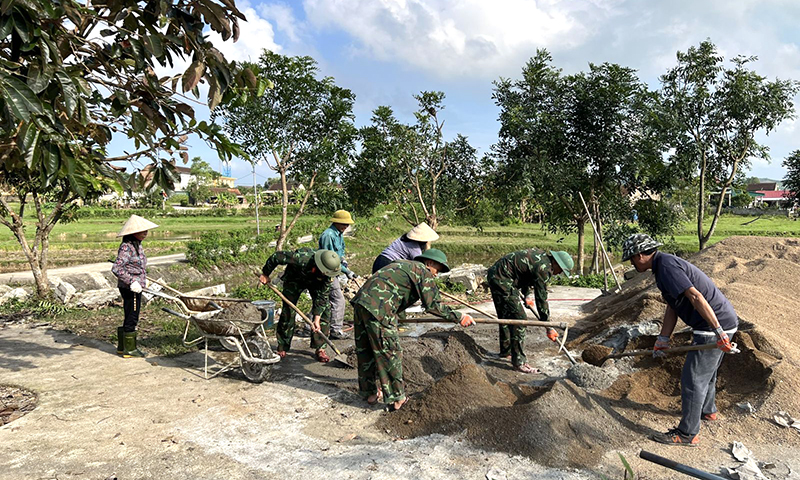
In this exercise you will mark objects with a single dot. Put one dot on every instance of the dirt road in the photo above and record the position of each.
(101, 416)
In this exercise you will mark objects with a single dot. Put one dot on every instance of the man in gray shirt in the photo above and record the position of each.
(691, 296)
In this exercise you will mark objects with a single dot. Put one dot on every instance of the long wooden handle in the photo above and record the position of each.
(165, 286)
(686, 348)
(224, 299)
(491, 321)
(303, 315)
(451, 297)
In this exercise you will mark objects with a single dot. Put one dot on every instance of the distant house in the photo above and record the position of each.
(766, 186)
(779, 198)
(233, 191)
(290, 187)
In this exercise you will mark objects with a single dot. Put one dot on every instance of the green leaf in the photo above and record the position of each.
(50, 157)
(22, 27)
(154, 45)
(28, 142)
(192, 75)
(214, 93)
(6, 27)
(19, 97)
(628, 469)
(79, 184)
(39, 78)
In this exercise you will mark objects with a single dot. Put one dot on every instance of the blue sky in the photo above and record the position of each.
(387, 50)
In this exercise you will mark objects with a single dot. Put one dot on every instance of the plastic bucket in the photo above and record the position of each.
(267, 308)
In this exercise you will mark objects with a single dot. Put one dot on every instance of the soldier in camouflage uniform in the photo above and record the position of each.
(517, 271)
(387, 293)
(306, 269)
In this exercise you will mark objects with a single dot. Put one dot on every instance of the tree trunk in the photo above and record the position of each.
(581, 242)
(432, 221)
(284, 209)
(701, 202)
(718, 211)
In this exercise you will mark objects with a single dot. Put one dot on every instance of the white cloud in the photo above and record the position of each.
(283, 18)
(255, 35)
(458, 37)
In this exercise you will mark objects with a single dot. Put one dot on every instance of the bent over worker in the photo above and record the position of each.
(306, 269)
(522, 271)
(375, 308)
(691, 296)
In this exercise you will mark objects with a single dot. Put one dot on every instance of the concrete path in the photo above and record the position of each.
(13, 278)
(101, 416)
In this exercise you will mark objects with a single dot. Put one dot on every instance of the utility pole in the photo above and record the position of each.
(255, 199)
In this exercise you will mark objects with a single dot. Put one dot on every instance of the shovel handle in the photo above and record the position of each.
(303, 315)
(686, 348)
(492, 321)
(462, 302)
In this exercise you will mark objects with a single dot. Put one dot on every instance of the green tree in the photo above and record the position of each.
(202, 180)
(792, 180)
(586, 133)
(713, 114)
(413, 165)
(73, 74)
(302, 128)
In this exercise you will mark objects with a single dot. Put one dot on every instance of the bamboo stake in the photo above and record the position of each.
(597, 237)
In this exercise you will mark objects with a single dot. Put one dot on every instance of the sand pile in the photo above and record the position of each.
(760, 277)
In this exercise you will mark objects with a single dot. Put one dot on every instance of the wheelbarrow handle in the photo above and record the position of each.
(177, 314)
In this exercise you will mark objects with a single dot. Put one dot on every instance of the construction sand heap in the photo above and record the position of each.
(564, 425)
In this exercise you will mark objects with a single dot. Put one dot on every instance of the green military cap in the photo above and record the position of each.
(437, 256)
(328, 262)
(563, 259)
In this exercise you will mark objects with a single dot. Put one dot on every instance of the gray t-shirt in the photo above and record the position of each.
(403, 249)
(674, 276)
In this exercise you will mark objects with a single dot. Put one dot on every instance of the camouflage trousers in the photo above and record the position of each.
(379, 356)
(506, 298)
(286, 323)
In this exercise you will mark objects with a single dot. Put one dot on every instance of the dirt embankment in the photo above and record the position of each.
(560, 424)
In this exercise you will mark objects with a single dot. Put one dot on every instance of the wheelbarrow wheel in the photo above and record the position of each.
(257, 372)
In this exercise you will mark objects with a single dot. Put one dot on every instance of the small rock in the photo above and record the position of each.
(785, 420)
(746, 407)
(496, 474)
(740, 452)
(347, 438)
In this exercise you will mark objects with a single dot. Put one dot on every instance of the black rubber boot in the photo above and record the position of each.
(130, 346)
(120, 341)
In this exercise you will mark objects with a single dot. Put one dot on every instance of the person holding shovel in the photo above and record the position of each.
(129, 268)
(306, 269)
(521, 271)
(333, 239)
(691, 296)
(407, 247)
(376, 306)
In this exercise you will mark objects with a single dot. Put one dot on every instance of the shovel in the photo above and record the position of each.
(490, 321)
(561, 346)
(340, 358)
(686, 348)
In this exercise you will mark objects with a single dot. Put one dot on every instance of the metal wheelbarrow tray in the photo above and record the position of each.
(247, 336)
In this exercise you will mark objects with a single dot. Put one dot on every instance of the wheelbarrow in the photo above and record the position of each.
(246, 335)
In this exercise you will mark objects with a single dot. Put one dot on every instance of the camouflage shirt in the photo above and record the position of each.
(397, 286)
(527, 269)
(300, 270)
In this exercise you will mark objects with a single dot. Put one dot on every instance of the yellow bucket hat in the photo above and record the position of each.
(342, 216)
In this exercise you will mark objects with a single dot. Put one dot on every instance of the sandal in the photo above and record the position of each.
(322, 356)
(525, 368)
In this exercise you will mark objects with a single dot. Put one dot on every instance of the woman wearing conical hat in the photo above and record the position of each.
(131, 277)
(408, 247)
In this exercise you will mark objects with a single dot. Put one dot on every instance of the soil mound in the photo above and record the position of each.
(759, 275)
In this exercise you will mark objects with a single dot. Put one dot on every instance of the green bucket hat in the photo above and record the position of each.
(437, 256)
(563, 259)
(328, 262)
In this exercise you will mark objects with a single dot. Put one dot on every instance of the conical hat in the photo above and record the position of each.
(136, 224)
(422, 233)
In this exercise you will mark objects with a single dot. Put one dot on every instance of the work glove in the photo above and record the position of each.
(662, 344)
(350, 274)
(552, 334)
(467, 320)
(136, 287)
(723, 342)
(530, 301)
